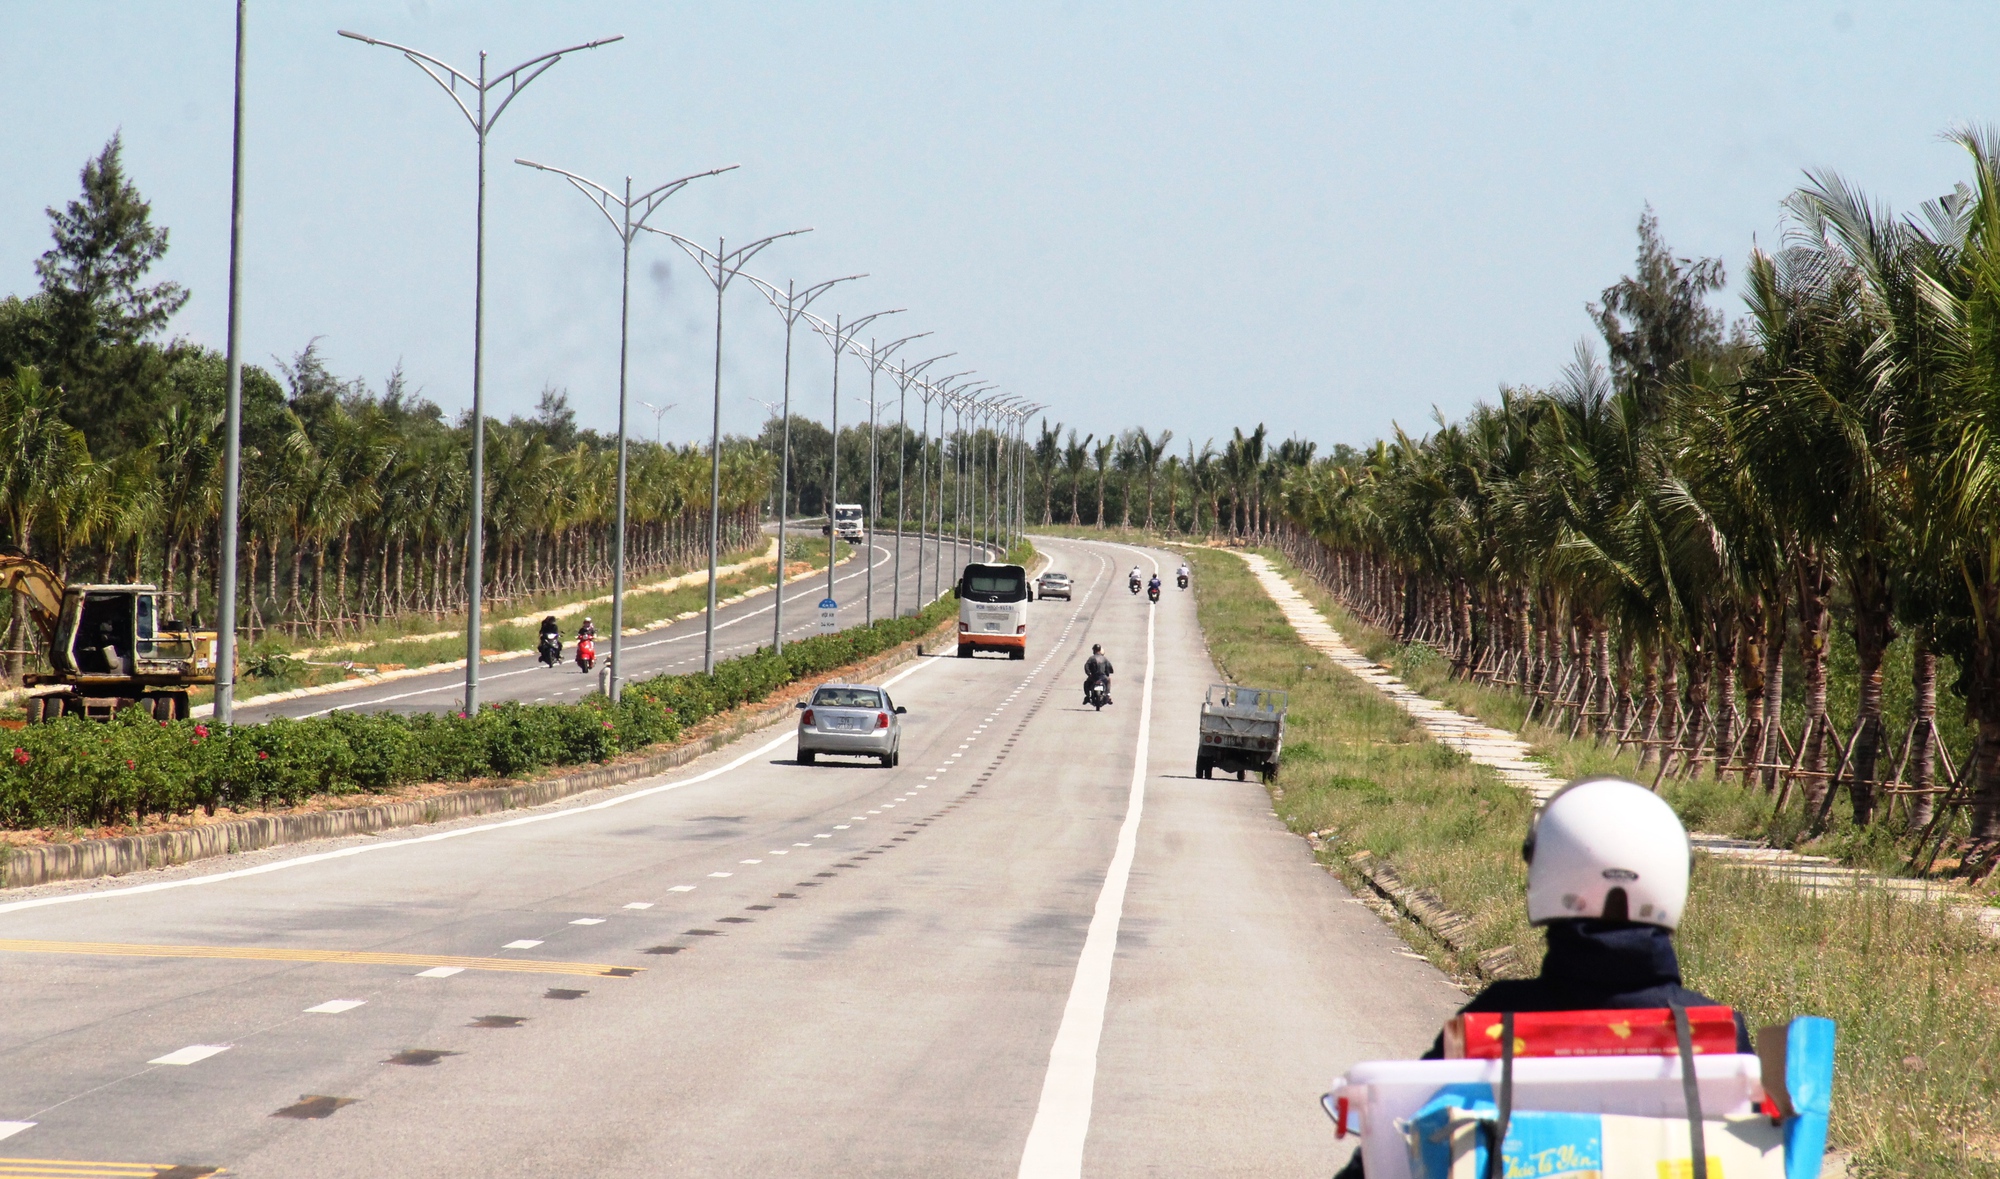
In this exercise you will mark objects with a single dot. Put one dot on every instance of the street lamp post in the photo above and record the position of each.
(721, 266)
(232, 414)
(932, 390)
(627, 227)
(483, 122)
(794, 305)
(947, 398)
(838, 335)
(659, 411)
(905, 376)
(875, 356)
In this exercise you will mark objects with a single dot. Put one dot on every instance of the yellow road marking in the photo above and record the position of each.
(74, 1169)
(346, 957)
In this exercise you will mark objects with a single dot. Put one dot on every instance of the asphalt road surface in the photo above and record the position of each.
(739, 630)
(1039, 947)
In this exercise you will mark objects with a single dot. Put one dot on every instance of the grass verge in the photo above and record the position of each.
(1914, 988)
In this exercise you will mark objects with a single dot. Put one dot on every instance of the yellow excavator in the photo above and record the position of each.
(111, 646)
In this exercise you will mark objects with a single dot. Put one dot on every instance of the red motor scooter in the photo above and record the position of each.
(586, 653)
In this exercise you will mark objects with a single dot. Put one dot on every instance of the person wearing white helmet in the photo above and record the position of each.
(1608, 868)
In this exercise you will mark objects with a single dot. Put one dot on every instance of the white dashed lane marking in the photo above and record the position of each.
(190, 1054)
(588, 921)
(335, 1006)
(440, 972)
(526, 943)
(682, 888)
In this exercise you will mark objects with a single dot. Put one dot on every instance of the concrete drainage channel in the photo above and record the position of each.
(92, 858)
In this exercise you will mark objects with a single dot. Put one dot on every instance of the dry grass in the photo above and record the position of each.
(1915, 990)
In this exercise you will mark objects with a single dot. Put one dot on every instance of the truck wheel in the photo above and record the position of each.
(33, 707)
(1242, 775)
(180, 703)
(160, 708)
(1201, 767)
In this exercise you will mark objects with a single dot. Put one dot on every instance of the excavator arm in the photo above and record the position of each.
(42, 588)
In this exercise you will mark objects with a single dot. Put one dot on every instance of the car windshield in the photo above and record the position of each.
(847, 698)
(1055, 577)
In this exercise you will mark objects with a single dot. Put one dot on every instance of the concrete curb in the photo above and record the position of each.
(91, 858)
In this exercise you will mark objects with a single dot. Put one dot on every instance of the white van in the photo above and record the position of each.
(993, 610)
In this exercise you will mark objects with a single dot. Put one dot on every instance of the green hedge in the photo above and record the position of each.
(71, 772)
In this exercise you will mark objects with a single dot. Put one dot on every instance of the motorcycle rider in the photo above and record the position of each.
(1153, 587)
(1181, 575)
(1608, 868)
(1133, 580)
(587, 631)
(551, 641)
(1097, 669)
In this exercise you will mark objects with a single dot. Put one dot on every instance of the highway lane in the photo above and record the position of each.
(740, 629)
(846, 970)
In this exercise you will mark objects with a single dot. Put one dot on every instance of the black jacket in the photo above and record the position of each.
(1096, 666)
(1590, 966)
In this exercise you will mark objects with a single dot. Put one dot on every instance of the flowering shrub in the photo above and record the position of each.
(71, 772)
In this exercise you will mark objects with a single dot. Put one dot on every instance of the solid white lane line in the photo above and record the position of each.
(440, 972)
(526, 943)
(435, 836)
(190, 1054)
(335, 1006)
(1062, 1121)
(588, 921)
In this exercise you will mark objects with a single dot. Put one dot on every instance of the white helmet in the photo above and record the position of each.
(1607, 848)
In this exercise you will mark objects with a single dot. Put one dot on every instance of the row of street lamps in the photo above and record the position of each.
(482, 98)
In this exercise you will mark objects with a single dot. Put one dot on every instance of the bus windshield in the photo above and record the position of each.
(994, 583)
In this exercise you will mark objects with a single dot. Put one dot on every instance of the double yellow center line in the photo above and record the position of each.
(343, 957)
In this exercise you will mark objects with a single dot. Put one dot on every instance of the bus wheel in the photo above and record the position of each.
(965, 650)
(1018, 653)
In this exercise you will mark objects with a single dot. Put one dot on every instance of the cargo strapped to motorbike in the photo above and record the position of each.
(1598, 1094)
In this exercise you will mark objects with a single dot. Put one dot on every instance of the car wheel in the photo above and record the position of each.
(806, 757)
(888, 760)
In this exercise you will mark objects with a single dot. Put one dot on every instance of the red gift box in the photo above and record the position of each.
(1641, 1031)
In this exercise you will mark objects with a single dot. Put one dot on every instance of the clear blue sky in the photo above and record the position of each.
(1324, 217)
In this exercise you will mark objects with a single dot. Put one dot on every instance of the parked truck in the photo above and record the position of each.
(111, 647)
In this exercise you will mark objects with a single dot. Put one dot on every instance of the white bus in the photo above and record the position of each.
(993, 610)
(847, 522)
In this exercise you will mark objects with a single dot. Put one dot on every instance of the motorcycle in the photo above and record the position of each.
(551, 650)
(1181, 580)
(1134, 585)
(1098, 693)
(586, 653)
(1153, 592)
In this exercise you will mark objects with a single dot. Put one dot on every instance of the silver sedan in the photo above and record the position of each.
(857, 720)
